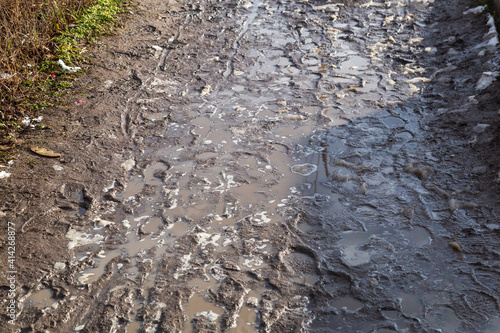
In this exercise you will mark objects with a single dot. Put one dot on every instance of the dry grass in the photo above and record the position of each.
(34, 34)
(27, 29)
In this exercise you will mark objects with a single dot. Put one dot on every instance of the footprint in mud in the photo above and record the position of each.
(40, 299)
(302, 266)
(73, 197)
(202, 314)
(349, 303)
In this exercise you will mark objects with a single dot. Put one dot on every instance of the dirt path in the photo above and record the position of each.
(267, 167)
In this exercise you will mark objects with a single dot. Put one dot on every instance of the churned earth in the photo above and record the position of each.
(267, 166)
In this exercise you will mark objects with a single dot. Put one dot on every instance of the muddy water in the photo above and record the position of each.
(286, 186)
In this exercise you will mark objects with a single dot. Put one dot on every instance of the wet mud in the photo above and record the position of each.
(271, 167)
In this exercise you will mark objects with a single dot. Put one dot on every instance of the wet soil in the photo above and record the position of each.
(268, 167)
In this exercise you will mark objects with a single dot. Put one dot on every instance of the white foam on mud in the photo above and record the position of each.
(185, 265)
(126, 224)
(128, 164)
(85, 277)
(79, 328)
(304, 169)
(60, 266)
(80, 238)
(100, 223)
(334, 7)
(204, 239)
(486, 80)
(230, 183)
(475, 10)
(260, 218)
(418, 79)
(253, 262)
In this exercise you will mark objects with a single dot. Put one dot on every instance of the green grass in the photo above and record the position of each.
(93, 22)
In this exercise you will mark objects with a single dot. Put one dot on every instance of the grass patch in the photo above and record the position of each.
(34, 35)
(93, 22)
(490, 8)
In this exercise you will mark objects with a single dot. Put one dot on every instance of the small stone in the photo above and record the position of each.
(206, 90)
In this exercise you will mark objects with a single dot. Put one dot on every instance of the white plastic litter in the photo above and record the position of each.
(68, 68)
(26, 121)
(4, 174)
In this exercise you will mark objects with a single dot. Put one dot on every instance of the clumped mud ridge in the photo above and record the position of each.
(278, 166)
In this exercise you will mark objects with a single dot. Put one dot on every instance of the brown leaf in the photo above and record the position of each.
(44, 152)
(5, 148)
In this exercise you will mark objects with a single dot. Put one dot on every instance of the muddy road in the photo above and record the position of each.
(277, 166)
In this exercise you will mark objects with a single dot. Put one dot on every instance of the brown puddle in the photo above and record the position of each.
(349, 303)
(198, 307)
(40, 299)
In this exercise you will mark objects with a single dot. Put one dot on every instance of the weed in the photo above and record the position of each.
(33, 36)
(32, 162)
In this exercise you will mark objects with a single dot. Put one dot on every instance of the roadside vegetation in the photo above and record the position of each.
(34, 36)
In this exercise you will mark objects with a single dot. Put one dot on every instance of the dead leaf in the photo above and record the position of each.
(5, 148)
(44, 152)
